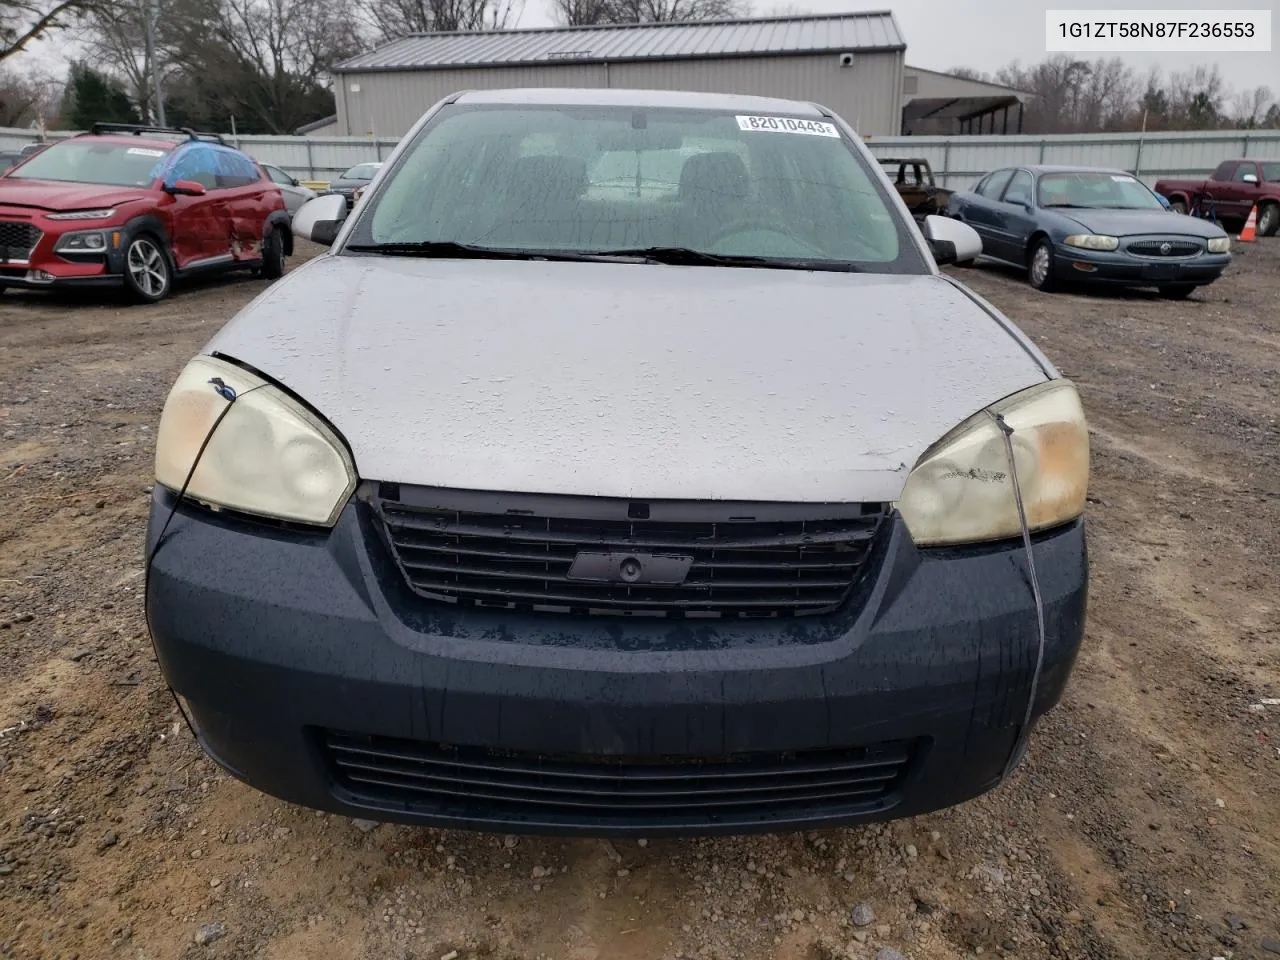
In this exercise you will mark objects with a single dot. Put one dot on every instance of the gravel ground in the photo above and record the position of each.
(1143, 825)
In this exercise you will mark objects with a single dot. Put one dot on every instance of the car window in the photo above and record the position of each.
(194, 162)
(86, 160)
(1244, 170)
(1225, 170)
(361, 171)
(233, 168)
(1019, 189)
(1100, 190)
(994, 185)
(1270, 172)
(278, 175)
(610, 178)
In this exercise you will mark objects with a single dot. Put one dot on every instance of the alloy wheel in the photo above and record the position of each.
(147, 267)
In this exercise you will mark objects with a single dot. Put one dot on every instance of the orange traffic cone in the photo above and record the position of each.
(1250, 231)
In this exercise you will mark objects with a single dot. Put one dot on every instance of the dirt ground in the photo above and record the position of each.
(1145, 823)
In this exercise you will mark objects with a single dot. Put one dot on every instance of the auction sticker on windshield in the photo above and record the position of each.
(817, 128)
(144, 152)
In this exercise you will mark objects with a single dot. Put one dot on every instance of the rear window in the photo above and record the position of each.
(85, 160)
(597, 179)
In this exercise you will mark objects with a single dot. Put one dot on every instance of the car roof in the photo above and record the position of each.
(614, 97)
(1038, 168)
(129, 140)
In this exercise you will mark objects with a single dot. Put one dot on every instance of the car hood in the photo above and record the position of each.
(631, 380)
(1126, 223)
(341, 184)
(56, 196)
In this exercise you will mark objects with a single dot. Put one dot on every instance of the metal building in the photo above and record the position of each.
(849, 62)
(940, 104)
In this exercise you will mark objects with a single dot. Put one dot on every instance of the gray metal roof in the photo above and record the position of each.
(844, 32)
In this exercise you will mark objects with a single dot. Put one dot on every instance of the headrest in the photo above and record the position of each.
(722, 175)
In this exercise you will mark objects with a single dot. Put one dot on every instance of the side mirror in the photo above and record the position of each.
(1250, 178)
(950, 240)
(187, 188)
(319, 220)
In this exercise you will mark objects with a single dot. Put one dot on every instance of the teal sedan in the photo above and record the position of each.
(1090, 225)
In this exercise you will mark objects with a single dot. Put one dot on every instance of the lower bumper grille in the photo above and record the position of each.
(600, 556)
(17, 240)
(477, 784)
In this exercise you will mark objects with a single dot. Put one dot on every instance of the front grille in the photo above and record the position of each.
(480, 784)
(1156, 248)
(729, 560)
(17, 240)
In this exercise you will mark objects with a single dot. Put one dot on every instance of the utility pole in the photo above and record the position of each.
(150, 13)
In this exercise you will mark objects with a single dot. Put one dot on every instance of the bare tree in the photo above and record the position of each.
(118, 47)
(22, 21)
(1196, 97)
(392, 19)
(969, 73)
(265, 62)
(25, 100)
(1250, 108)
(585, 12)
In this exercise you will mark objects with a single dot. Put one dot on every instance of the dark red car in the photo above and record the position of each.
(138, 207)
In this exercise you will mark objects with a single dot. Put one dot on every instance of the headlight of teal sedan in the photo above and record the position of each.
(1219, 245)
(1092, 241)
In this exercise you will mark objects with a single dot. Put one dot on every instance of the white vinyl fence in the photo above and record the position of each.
(957, 161)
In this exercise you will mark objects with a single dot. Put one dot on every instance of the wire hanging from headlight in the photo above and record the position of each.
(1006, 432)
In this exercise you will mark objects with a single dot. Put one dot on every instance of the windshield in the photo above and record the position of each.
(1270, 172)
(361, 171)
(94, 161)
(595, 180)
(1111, 191)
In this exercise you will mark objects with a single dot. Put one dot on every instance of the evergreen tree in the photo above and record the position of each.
(92, 97)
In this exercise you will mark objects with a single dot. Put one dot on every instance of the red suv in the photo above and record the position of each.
(138, 207)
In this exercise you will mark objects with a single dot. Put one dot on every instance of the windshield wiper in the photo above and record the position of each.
(453, 249)
(686, 256)
(1072, 206)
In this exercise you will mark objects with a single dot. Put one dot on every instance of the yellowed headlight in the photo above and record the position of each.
(270, 456)
(962, 491)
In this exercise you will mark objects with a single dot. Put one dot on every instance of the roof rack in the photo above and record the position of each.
(137, 129)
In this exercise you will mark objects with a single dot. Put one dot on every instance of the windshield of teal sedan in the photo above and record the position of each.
(94, 161)
(590, 180)
(1109, 191)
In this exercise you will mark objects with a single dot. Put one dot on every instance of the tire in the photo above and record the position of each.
(1269, 220)
(272, 256)
(148, 273)
(1178, 206)
(1177, 291)
(1040, 266)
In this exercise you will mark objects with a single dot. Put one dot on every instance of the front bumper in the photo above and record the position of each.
(1122, 269)
(43, 269)
(312, 673)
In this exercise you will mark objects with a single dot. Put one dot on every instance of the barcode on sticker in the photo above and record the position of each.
(144, 152)
(815, 128)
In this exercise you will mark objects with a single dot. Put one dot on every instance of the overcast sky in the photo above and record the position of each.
(985, 34)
